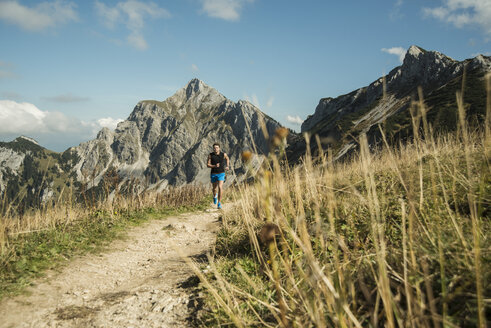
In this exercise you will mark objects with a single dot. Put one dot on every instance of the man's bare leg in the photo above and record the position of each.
(215, 185)
(220, 188)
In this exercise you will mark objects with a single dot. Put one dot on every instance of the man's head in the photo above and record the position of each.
(216, 148)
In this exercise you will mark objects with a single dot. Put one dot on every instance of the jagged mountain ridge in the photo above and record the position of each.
(167, 143)
(343, 118)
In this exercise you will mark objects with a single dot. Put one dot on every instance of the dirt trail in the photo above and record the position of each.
(137, 282)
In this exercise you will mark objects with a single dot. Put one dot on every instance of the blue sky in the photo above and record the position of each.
(69, 67)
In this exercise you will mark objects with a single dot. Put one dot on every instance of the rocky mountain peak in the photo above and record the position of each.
(423, 67)
(194, 86)
(167, 142)
(414, 51)
(195, 97)
(481, 61)
(195, 93)
(417, 56)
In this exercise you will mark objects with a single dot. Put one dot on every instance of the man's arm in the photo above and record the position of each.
(228, 161)
(209, 163)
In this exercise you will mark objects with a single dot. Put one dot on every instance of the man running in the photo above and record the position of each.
(216, 163)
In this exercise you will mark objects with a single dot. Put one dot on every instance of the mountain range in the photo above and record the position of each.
(165, 143)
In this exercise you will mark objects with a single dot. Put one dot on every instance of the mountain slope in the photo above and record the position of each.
(339, 121)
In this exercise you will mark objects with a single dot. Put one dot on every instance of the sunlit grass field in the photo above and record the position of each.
(392, 237)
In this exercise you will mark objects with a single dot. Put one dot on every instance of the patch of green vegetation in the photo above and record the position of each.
(22, 145)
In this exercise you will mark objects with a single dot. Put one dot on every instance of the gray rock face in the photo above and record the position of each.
(427, 69)
(10, 162)
(168, 142)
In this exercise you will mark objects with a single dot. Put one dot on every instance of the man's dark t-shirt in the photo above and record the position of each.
(217, 159)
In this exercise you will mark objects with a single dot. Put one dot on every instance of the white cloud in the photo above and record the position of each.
(294, 119)
(132, 14)
(67, 98)
(20, 117)
(44, 15)
(224, 9)
(194, 68)
(48, 127)
(463, 13)
(109, 122)
(110, 16)
(136, 40)
(398, 51)
(270, 101)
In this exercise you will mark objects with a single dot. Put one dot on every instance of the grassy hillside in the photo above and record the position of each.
(393, 237)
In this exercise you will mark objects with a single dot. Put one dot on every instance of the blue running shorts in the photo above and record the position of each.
(215, 177)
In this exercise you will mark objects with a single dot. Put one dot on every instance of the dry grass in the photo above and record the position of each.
(47, 236)
(393, 237)
(67, 211)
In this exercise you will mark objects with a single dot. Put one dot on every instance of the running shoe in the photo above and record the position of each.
(215, 200)
(219, 206)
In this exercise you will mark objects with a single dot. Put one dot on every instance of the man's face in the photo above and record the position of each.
(216, 148)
